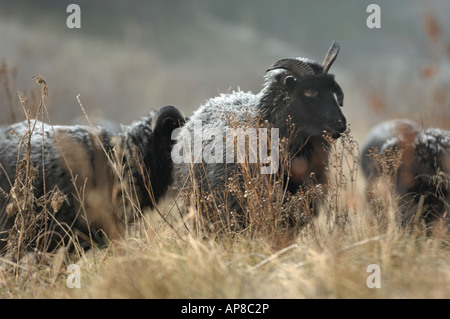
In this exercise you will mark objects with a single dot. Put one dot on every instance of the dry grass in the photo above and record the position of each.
(326, 258)
(318, 264)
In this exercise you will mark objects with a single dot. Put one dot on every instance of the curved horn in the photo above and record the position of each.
(330, 57)
(298, 67)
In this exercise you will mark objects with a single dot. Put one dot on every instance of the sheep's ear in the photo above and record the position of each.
(290, 82)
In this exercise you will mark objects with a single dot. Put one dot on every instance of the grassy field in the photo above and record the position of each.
(318, 263)
(163, 257)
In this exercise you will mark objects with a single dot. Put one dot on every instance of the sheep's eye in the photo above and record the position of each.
(310, 93)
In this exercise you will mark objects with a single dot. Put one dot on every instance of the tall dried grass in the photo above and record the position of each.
(327, 257)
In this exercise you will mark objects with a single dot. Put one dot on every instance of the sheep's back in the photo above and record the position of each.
(221, 113)
(67, 159)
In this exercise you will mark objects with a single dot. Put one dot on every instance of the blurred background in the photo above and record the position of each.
(130, 57)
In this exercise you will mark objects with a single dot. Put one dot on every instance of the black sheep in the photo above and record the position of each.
(78, 176)
(299, 100)
(420, 171)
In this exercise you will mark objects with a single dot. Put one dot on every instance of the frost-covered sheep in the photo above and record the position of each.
(420, 172)
(299, 100)
(75, 186)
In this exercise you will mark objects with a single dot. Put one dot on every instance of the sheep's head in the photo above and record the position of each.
(166, 120)
(301, 92)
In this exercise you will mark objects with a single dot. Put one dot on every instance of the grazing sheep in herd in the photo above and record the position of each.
(75, 185)
(420, 172)
(298, 102)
